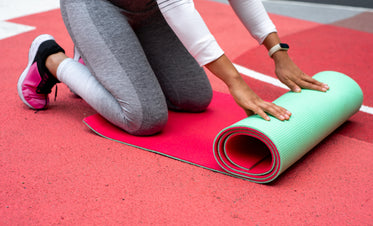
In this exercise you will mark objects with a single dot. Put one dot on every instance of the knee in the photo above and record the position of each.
(147, 122)
(191, 101)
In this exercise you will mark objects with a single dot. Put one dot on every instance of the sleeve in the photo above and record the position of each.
(190, 28)
(254, 17)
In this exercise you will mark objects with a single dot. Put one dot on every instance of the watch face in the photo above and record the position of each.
(284, 46)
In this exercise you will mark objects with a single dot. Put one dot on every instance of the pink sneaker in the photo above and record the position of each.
(36, 82)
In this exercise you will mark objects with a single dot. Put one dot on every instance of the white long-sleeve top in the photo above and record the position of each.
(188, 25)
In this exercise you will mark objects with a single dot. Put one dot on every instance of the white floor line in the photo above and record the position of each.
(19, 8)
(268, 79)
(8, 29)
(367, 109)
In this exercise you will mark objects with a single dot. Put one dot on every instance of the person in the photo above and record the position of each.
(144, 57)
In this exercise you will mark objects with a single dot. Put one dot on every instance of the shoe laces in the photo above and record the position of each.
(46, 84)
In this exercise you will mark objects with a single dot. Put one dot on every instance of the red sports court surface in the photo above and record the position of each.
(56, 171)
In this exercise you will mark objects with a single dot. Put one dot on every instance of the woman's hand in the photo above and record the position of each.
(290, 74)
(242, 93)
(246, 98)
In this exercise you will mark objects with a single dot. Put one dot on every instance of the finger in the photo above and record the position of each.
(314, 84)
(277, 111)
(311, 84)
(249, 112)
(292, 85)
(285, 113)
(262, 114)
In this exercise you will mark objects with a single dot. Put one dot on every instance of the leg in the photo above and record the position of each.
(115, 58)
(183, 81)
(36, 82)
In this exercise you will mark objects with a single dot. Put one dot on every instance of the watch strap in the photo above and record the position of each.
(278, 47)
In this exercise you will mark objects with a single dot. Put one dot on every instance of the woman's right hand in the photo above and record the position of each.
(246, 98)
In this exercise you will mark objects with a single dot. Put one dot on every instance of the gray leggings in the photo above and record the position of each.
(138, 59)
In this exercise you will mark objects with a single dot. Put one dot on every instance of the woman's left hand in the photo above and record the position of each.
(290, 74)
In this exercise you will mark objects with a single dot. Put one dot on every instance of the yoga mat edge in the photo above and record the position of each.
(87, 122)
(278, 144)
(314, 116)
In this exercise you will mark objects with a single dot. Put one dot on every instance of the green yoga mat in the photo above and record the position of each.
(260, 150)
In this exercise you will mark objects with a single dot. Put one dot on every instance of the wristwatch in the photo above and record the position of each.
(278, 47)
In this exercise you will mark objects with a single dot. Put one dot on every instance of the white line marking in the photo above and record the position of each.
(8, 29)
(260, 76)
(367, 109)
(268, 79)
(19, 8)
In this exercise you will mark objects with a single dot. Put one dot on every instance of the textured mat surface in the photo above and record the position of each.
(186, 137)
(251, 148)
(317, 49)
(56, 171)
(260, 151)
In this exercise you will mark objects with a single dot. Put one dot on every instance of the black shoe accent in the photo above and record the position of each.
(47, 82)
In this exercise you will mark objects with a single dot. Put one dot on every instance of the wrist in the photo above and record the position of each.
(280, 56)
(271, 40)
(225, 70)
(234, 81)
(283, 47)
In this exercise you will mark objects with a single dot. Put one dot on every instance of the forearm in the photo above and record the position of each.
(271, 40)
(224, 69)
(287, 71)
(242, 93)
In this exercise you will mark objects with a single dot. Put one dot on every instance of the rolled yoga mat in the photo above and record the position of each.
(251, 149)
(260, 150)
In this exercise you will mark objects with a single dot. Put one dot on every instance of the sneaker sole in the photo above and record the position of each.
(31, 57)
